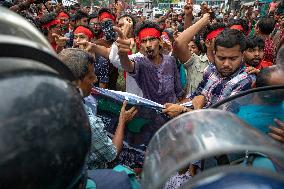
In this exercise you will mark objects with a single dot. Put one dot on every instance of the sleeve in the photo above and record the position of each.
(201, 85)
(244, 84)
(102, 148)
(136, 74)
(190, 61)
(104, 70)
(114, 57)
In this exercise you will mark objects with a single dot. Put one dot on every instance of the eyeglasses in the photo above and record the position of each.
(94, 24)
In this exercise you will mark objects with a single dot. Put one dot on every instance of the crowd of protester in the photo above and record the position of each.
(170, 59)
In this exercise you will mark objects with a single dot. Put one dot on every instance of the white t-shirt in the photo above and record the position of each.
(131, 85)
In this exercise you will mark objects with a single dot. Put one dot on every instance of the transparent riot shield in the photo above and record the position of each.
(199, 135)
(258, 107)
(235, 178)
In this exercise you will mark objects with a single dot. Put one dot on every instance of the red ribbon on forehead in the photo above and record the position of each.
(214, 33)
(51, 23)
(106, 15)
(62, 15)
(86, 31)
(237, 27)
(149, 32)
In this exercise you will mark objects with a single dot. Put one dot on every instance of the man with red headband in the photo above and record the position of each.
(156, 74)
(239, 24)
(107, 20)
(83, 34)
(52, 29)
(63, 18)
(225, 77)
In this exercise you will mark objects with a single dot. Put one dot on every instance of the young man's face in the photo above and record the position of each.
(80, 37)
(150, 45)
(95, 24)
(253, 56)
(193, 48)
(86, 84)
(55, 29)
(228, 60)
(83, 21)
(174, 17)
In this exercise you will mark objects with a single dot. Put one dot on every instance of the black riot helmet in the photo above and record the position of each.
(45, 134)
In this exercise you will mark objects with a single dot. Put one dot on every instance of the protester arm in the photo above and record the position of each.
(181, 50)
(124, 117)
(188, 15)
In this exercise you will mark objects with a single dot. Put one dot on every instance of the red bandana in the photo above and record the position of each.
(106, 15)
(237, 27)
(62, 15)
(51, 23)
(86, 31)
(147, 32)
(214, 34)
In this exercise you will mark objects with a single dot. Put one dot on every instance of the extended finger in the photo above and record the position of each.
(276, 137)
(55, 35)
(276, 130)
(123, 41)
(280, 123)
(119, 32)
(83, 43)
(124, 104)
(131, 110)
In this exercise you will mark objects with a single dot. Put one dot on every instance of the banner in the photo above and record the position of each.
(148, 9)
(138, 132)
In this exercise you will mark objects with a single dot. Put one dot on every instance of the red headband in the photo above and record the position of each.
(62, 15)
(106, 15)
(214, 33)
(237, 27)
(86, 31)
(51, 23)
(147, 32)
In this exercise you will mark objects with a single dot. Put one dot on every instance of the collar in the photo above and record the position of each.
(240, 70)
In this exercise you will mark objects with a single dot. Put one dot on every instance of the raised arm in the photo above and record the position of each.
(123, 45)
(188, 15)
(95, 49)
(181, 50)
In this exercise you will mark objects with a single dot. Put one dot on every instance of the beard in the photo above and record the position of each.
(254, 62)
(150, 53)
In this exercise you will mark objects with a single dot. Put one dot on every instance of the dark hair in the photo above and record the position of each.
(180, 28)
(93, 15)
(170, 33)
(212, 27)
(196, 41)
(241, 22)
(264, 75)
(46, 18)
(266, 25)
(102, 10)
(80, 14)
(254, 41)
(230, 38)
(77, 61)
(131, 17)
(146, 24)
